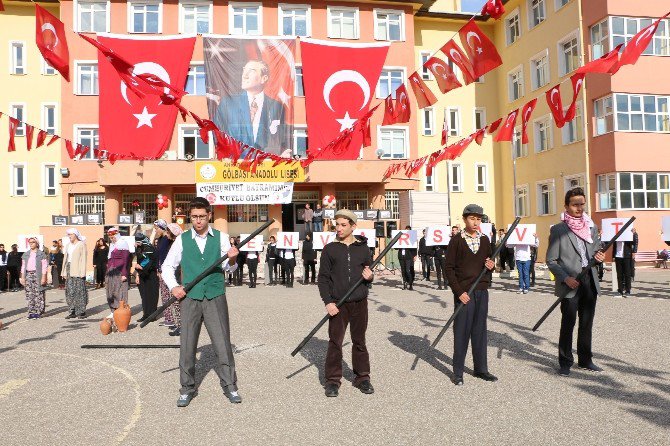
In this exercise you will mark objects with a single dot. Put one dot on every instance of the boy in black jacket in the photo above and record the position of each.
(467, 253)
(342, 263)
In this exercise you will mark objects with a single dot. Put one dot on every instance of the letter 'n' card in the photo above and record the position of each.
(287, 240)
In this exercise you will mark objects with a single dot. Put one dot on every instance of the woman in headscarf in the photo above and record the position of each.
(34, 277)
(74, 271)
(100, 254)
(172, 314)
(147, 269)
(117, 270)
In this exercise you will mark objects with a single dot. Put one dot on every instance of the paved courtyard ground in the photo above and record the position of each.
(54, 392)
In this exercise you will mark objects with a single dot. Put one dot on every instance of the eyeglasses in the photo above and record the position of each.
(199, 217)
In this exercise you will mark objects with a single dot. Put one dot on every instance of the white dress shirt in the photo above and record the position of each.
(173, 258)
(522, 252)
(619, 250)
(260, 98)
(287, 253)
(252, 255)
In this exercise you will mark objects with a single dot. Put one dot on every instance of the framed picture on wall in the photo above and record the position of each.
(76, 219)
(93, 219)
(329, 213)
(59, 220)
(359, 214)
(371, 214)
(385, 214)
(139, 217)
(125, 219)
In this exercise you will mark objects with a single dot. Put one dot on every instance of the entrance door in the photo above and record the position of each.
(287, 222)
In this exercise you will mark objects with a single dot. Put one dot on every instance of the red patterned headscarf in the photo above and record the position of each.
(581, 227)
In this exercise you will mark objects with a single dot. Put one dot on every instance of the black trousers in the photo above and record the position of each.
(287, 271)
(3, 278)
(252, 264)
(470, 326)
(310, 265)
(441, 271)
(426, 266)
(356, 314)
(14, 277)
(502, 259)
(532, 272)
(149, 290)
(238, 274)
(100, 271)
(624, 274)
(272, 269)
(407, 269)
(584, 306)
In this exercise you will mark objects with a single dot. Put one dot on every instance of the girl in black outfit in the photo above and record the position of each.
(308, 259)
(288, 266)
(147, 278)
(272, 260)
(100, 254)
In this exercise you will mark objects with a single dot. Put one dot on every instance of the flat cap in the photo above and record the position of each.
(346, 213)
(473, 209)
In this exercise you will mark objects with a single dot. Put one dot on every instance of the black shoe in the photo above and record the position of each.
(185, 400)
(70, 316)
(332, 390)
(366, 387)
(564, 370)
(411, 288)
(486, 376)
(440, 288)
(175, 332)
(82, 316)
(404, 286)
(142, 319)
(233, 396)
(590, 367)
(458, 381)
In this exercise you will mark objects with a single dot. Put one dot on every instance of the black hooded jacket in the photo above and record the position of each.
(341, 266)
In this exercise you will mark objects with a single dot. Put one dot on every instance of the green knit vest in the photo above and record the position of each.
(193, 262)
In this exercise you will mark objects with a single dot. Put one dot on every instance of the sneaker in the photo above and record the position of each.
(458, 381)
(525, 291)
(82, 316)
(332, 390)
(519, 291)
(591, 367)
(175, 332)
(366, 387)
(233, 396)
(70, 316)
(564, 370)
(185, 399)
(31, 316)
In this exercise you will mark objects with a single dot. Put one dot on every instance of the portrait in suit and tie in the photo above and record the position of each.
(251, 116)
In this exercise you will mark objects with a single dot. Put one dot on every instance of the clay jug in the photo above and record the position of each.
(105, 326)
(122, 316)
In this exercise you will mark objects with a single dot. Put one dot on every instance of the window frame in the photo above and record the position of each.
(569, 125)
(297, 84)
(644, 191)
(538, 190)
(426, 74)
(456, 186)
(562, 69)
(485, 185)
(605, 40)
(406, 148)
(629, 113)
(77, 19)
(611, 193)
(525, 200)
(13, 67)
(508, 36)
(300, 128)
(400, 12)
(516, 138)
(13, 187)
(130, 5)
(76, 85)
(558, 4)
(182, 15)
(45, 67)
(281, 7)
(534, 80)
(430, 186)
(475, 111)
(596, 118)
(21, 128)
(430, 130)
(329, 23)
(403, 80)
(522, 87)
(548, 122)
(76, 129)
(454, 130)
(180, 149)
(45, 183)
(231, 18)
(43, 117)
(625, 37)
(196, 63)
(529, 6)
(567, 178)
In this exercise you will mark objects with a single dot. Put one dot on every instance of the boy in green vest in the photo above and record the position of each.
(195, 250)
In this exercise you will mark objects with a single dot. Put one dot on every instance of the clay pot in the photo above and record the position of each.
(122, 316)
(105, 326)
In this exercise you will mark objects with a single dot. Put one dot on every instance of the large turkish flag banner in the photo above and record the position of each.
(340, 81)
(51, 41)
(134, 127)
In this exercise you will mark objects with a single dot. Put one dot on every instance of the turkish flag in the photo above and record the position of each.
(479, 136)
(526, 112)
(494, 126)
(140, 127)
(2, 7)
(507, 131)
(636, 46)
(457, 56)
(389, 112)
(424, 97)
(402, 106)
(69, 149)
(29, 136)
(494, 8)
(556, 105)
(51, 41)
(483, 54)
(609, 63)
(445, 129)
(41, 137)
(13, 125)
(577, 81)
(340, 80)
(458, 148)
(444, 76)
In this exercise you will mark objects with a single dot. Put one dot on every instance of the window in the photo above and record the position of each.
(18, 55)
(89, 137)
(537, 12)
(392, 203)
(480, 118)
(49, 180)
(456, 173)
(542, 131)
(426, 75)
(342, 23)
(561, 3)
(90, 204)
(389, 25)
(147, 203)
(568, 54)
(539, 70)
(518, 150)
(573, 131)
(428, 121)
(18, 111)
(572, 181)
(546, 203)
(195, 17)
(195, 81)
(454, 114)
(182, 200)
(295, 20)
(600, 39)
(389, 81)
(644, 190)
(642, 113)
(47, 70)
(352, 199)
(394, 142)
(245, 213)
(522, 201)
(245, 19)
(430, 180)
(607, 192)
(18, 179)
(481, 178)
(624, 28)
(49, 118)
(602, 108)
(190, 144)
(512, 27)
(87, 78)
(300, 141)
(145, 17)
(515, 84)
(92, 16)
(299, 85)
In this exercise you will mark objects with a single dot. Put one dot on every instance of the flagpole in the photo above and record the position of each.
(449, 191)
(516, 211)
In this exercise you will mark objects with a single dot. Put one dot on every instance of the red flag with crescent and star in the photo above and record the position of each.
(483, 54)
(458, 57)
(555, 102)
(526, 113)
(638, 43)
(51, 41)
(507, 130)
(424, 97)
(340, 81)
(131, 125)
(444, 76)
(494, 8)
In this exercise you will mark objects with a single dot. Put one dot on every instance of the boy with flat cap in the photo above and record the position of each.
(342, 263)
(468, 251)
